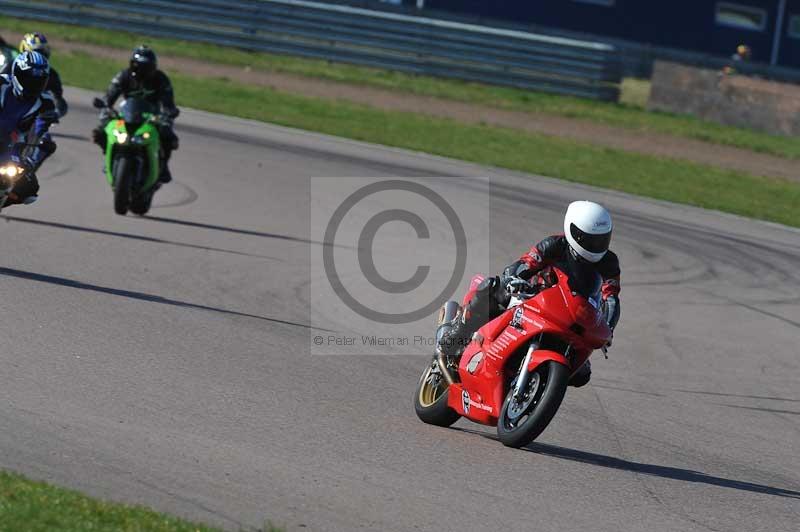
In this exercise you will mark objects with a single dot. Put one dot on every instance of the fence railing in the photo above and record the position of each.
(343, 33)
(636, 59)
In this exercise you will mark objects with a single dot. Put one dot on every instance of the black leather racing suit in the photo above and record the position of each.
(33, 118)
(54, 86)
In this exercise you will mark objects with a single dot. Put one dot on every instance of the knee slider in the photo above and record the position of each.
(47, 144)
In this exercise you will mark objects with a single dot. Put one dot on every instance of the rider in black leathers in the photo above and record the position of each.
(143, 79)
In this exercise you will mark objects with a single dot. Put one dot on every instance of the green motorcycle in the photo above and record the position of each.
(132, 154)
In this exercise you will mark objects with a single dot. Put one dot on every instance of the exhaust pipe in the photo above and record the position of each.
(440, 360)
(449, 312)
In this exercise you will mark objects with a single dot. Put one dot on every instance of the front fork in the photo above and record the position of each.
(524, 374)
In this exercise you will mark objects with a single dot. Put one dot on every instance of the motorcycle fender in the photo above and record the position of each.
(540, 356)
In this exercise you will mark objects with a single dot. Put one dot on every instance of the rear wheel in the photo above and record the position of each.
(523, 419)
(122, 186)
(430, 399)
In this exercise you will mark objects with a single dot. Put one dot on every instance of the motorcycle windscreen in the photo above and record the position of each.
(583, 278)
(133, 112)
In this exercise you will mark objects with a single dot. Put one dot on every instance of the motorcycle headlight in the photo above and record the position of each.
(11, 170)
(121, 136)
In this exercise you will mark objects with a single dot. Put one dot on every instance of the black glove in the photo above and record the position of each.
(515, 285)
(51, 117)
(518, 269)
(23, 162)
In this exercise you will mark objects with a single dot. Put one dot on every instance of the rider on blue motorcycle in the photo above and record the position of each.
(26, 109)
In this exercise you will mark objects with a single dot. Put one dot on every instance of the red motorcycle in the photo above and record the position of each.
(514, 372)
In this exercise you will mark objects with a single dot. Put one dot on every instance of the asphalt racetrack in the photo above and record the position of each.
(167, 360)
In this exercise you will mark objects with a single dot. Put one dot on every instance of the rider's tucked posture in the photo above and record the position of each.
(583, 248)
(25, 108)
(142, 79)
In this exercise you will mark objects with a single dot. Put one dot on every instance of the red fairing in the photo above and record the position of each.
(555, 313)
(474, 283)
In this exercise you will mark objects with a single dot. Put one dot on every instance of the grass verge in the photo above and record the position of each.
(31, 506)
(629, 114)
(672, 180)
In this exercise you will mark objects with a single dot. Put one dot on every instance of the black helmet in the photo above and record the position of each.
(29, 75)
(143, 63)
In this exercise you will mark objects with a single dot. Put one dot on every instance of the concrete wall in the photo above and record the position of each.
(732, 100)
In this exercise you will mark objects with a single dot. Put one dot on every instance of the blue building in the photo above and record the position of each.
(770, 27)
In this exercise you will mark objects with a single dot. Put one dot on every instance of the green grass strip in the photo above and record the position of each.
(673, 180)
(31, 506)
(627, 115)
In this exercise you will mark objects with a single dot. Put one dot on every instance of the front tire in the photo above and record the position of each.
(141, 204)
(122, 186)
(522, 421)
(430, 398)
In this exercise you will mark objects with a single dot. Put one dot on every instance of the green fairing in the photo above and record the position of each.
(151, 144)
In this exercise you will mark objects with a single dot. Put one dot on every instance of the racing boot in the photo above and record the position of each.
(454, 331)
(99, 138)
(165, 176)
(452, 337)
(582, 376)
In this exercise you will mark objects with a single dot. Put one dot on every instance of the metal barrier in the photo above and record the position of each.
(637, 59)
(343, 33)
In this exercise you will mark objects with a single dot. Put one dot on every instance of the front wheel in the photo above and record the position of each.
(430, 399)
(141, 203)
(122, 186)
(522, 420)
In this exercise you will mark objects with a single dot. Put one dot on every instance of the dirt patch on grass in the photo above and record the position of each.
(649, 143)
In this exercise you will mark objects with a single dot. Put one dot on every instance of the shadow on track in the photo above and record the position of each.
(248, 232)
(71, 136)
(720, 394)
(674, 473)
(81, 229)
(620, 389)
(141, 296)
(760, 409)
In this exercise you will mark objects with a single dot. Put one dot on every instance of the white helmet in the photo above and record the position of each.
(587, 227)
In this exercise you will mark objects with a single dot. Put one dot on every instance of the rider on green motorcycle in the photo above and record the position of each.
(143, 79)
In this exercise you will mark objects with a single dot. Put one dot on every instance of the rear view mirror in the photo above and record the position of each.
(98, 103)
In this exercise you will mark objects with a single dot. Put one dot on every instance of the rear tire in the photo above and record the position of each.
(550, 388)
(122, 186)
(430, 398)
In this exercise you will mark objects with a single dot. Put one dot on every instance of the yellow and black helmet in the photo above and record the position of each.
(35, 42)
